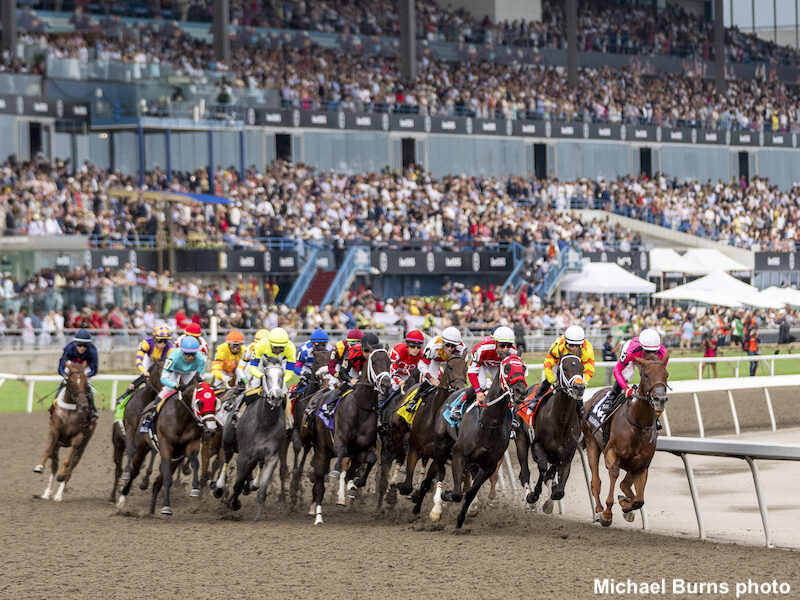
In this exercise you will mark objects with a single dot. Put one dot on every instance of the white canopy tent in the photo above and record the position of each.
(785, 295)
(722, 289)
(606, 278)
(666, 260)
(708, 260)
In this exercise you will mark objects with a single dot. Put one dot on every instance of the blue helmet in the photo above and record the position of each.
(190, 345)
(319, 336)
(82, 337)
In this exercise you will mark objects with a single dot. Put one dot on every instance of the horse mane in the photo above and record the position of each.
(273, 360)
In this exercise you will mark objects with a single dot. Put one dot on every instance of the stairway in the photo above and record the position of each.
(318, 287)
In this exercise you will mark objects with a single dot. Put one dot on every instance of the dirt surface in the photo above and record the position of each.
(84, 548)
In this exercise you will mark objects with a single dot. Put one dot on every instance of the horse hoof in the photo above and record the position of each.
(60, 477)
(217, 492)
(186, 469)
(473, 510)
(630, 516)
(605, 522)
(318, 520)
(143, 485)
(38, 469)
(352, 494)
(637, 505)
(435, 516)
(417, 509)
(531, 498)
(404, 489)
(341, 502)
(195, 493)
(166, 511)
(415, 496)
(334, 475)
(121, 501)
(125, 477)
(246, 489)
(557, 495)
(313, 510)
(391, 497)
(235, 504)
(547, 507)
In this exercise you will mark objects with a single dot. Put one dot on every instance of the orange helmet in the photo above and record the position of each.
(235, 337)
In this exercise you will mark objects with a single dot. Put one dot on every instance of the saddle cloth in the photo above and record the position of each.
(527, 411)
(408, 410)
(322, 411)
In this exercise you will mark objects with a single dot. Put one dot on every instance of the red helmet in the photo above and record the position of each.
(355, 335)
(193, 329)
(415, 336)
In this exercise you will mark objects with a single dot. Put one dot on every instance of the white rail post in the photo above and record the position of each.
(737, 367)
(772, 368)
(769, 408)
(114, 394)
(699, 415)
(700, 370)
(701, 528)
(507, 462)
(762, 504)
(645, 519)
(665, 419)
(31, 384)
(733, 413)
(588, 475)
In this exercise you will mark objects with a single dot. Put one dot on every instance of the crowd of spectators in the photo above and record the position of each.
(47, 305)
(317, 78)
(296, 202)
(617, 27)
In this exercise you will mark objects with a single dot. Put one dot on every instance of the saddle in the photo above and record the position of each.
(408, 409)
(327, 411)
(600, 420)
(527, 410)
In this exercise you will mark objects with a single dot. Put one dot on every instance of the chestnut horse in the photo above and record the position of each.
(632, 438)
(71, 426)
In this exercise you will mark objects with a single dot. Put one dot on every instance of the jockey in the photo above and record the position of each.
(152, 348)
(353, 363)
(194, 330)
(438, 351)
(227, 359)
(183, 364)
(405, 357)
(337, 356)
(275, 345)
(79, 350)
(354, 337)
(572, 342)
(305, 357)
(648, 341)
(243, 370)
(486, 358)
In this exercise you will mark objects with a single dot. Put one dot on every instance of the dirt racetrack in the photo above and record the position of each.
(83, 548)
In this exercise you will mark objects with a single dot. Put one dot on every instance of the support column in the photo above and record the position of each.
(719, 47)
(572, 42)
(222, 34)
(408, 42)
(168, 144)
(8, 14)
(140, 139)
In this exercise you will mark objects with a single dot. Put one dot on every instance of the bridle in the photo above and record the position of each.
(507, 380)
(266, 391)
(73, 396)
(449, 388)
(571, 385)
(374, 378)
(660, 397)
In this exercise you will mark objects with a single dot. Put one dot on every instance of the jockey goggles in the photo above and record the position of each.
(77, 345)
(505, 345)
(449, 345)
(413, 345)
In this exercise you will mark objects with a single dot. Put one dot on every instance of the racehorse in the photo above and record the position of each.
(355, 429)
(422, 434)
(556, 429)
(124, 437)
(179, 427)
(70, 425)
(632, 438)
(260, 436)
(299, 444)
(479, 443)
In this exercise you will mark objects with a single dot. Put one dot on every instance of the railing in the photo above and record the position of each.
(568, 260)
(345, 275)
(303, 280)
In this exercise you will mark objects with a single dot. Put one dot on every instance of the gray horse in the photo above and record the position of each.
(260, 435)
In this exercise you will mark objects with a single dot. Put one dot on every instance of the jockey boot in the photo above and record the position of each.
(149, 421)
(659, 427)
(92, 408)
(457, 411)
(543, 388)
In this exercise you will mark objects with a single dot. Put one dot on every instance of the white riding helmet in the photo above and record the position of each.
(451, 335)
(503, 335)
(650, 340)
(575, 335)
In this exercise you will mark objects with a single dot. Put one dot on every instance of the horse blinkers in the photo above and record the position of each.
(205, 407)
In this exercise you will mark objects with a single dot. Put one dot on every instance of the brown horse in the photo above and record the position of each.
(70, 425)
(302, 444)
(632, 438)
(422, 435)
(124, 437)
(212, 447)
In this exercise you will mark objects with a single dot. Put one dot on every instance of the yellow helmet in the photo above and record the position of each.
(261, 334)
(278, 337)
